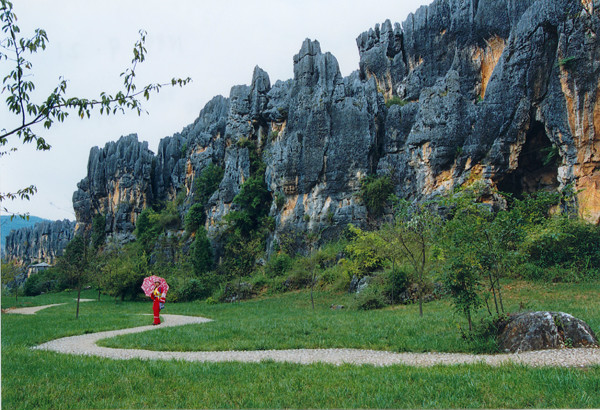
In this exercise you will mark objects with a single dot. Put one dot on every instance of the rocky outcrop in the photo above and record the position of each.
(118, 185)
(43, 242)
(502, 92)
(545, 330)
(328, 140)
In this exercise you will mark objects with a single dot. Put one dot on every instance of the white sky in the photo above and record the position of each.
(217, 43)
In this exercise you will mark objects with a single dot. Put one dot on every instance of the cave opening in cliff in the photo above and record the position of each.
(537, 168)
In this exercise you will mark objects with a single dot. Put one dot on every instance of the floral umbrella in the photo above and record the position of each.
(148, 284)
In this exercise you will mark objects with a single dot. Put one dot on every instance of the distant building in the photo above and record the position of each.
(38, 267)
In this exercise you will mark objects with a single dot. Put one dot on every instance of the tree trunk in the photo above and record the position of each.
(78, 297)
(312, 286)
(469, 320)
(393, 281)
(487, 305)
(421, 300)
(500, 294)
(493, 289)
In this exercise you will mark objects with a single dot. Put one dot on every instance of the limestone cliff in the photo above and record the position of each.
(43, 242)
(502, 91)
(119, 185)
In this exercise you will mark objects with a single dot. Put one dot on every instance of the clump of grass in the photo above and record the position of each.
(396, 101)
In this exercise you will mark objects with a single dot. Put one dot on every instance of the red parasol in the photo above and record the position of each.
(148, 284)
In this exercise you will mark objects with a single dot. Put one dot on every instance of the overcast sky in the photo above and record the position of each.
(216, 43)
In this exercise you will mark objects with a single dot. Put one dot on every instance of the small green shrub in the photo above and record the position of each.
(234, 291)
(375, 192)
(330, 216)
(563, 250)
(207, 183)
(278, 265)
(187, 289)
(299, 276)
(396, 282)
(370, 298)
(484, 336)
(195, 218)
(333, 275)
(49, 280)
(396, 101)
(259, 281)
(279, 200)
(169, 218)
(180, 198)
(566, 62)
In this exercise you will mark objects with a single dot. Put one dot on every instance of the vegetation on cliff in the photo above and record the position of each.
(457, 248)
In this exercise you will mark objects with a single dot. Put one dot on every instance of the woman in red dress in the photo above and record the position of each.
(158, 298)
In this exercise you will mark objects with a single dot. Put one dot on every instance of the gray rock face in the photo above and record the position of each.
(118, 185)
(493, 84)
(43, 242)
(545, 330)
(477, 90)
(327, 141)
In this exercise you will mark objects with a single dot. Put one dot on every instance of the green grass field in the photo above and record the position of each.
(46, 380)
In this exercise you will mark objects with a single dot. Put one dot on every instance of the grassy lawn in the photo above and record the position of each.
(46, 380)
(288, 322)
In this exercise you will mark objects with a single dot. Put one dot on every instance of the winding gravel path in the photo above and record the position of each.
(33, 310)
(86, 345)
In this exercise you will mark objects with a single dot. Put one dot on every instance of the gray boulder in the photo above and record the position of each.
(545, 330)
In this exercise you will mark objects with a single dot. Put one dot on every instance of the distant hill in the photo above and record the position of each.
(6, 225)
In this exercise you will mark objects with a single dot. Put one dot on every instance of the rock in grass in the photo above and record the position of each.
(544, 330)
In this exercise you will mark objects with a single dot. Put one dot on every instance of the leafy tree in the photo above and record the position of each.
(202, 257)
(375, 192)
(364, 252)
(248, 226)
(410, 238)
(195, 218)
(147, 229)
(463, 281)
(74, 263)
(124, 270)
(480, 245)
(58, 105)
(10, 274)
(98, 231)
(240, 254)
(254, 200)
(207, 183)
(204, 186)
